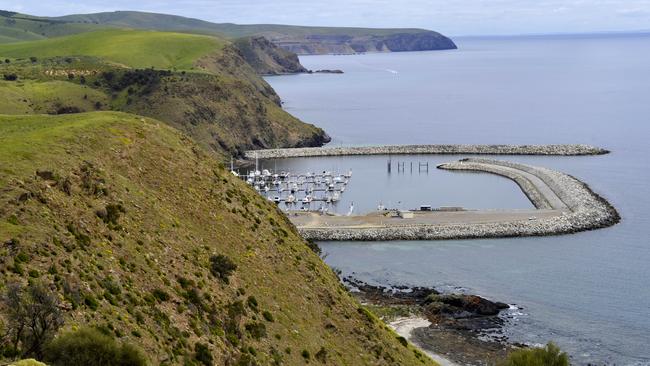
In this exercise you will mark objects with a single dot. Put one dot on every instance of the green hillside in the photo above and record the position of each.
(299, 39)
(15, 27)
(220, 101)
(138, 49)
(136, 19)
(122, 217)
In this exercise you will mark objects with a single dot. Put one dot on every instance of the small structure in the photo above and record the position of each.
(425, 208)
(450, 208)
(406, 214)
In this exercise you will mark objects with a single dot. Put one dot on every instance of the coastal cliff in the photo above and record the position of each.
(267, 58)
(304, 40)
(311, 44)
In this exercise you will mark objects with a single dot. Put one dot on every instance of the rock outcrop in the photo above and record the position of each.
(266, 58)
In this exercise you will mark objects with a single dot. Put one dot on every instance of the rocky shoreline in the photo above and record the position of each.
(582, 210)
(454, 328)
(561, 150)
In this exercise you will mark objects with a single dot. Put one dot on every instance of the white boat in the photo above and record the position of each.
(291, 199)
(308, 198)
(348, 174)
(336, 197)
(277, 199)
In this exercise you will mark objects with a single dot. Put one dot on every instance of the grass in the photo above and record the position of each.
(138, 49)
(174, 218)
(39, 97)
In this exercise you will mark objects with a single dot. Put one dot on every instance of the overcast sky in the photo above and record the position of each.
(453, 17)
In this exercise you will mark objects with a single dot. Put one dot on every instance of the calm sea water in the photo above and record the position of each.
(589, 292)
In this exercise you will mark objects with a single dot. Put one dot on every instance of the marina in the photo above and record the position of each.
(308, 191)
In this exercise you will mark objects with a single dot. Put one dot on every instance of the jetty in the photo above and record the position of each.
(558, 149)
(563, 205)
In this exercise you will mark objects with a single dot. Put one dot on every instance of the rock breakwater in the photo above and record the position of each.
(562, 150)
(579, 209)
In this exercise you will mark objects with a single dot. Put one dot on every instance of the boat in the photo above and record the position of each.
(277, 199)
(308, 198)
(291, 199)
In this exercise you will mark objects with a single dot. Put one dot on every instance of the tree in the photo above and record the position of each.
(33, 317)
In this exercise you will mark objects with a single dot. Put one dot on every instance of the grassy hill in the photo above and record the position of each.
(137, 49)
(208, 90)
(120, 215)
(299, 39)
(146, 20)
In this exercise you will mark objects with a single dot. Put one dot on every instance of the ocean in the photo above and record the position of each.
(588, 292)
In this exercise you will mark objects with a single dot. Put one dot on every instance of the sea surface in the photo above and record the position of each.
(589, 292)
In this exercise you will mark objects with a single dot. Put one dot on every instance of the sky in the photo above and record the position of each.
(452, 17)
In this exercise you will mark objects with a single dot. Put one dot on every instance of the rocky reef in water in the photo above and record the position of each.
(464, 328)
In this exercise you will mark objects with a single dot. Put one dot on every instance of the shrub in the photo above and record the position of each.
(268, 316)
(33, 59)
(550, 355)
(256, 330)
(252, 303)
(202, 354)
(321, 355)
(402, 341)
(314, 247)
(160, 295)
(91, 302)
(222, 267)
(10, 77)
(89, 346)
(28, 362)
(305, 354)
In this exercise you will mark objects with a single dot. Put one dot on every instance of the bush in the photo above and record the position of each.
(28, 362)
(252, 302)
(402, 341)
(256, 330)
(551, 355)
(202, 354)
(314, 247)
(321, 355)
(89, 346)
(160, 295)
(268, 316)
(305, 354)
(222, 267)
(10, 77)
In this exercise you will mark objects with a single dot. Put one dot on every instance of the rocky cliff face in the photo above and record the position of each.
(267, 58)
(347, 44)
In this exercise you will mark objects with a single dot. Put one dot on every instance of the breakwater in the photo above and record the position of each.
(561, 150)
(578, 209)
